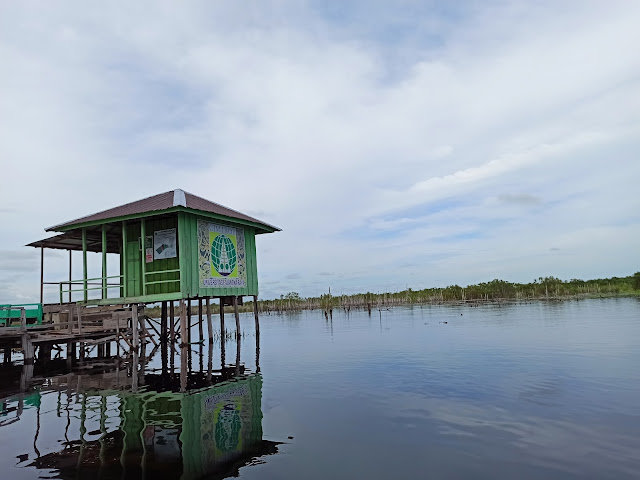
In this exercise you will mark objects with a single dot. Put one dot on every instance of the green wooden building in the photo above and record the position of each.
(170, 246)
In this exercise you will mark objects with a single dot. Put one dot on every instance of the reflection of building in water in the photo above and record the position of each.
(123, 422)
(210, 432)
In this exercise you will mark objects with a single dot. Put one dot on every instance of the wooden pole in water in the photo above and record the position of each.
(237, 314)
(222, 334)
(183, 324)
(187, 332)
(183, 347)
(209, 324)
(255, 314)
(163, 322)
(134, 325)
(172, 321)
(222, 317)
(200, 332)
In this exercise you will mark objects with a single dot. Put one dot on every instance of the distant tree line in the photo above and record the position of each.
(487, 292)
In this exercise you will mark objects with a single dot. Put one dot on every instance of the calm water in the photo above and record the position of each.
(527, 391)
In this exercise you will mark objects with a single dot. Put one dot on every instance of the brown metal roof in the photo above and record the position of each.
(73, 241)
(164, 201)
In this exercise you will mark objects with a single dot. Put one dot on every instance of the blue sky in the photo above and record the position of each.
(396, 144)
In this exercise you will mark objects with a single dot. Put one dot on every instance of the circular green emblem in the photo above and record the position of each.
(223, 255)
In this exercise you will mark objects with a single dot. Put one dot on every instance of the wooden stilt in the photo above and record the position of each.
(134, 326)
(255, 314)
(238, 355)
(209, 324)
(222, 317)
(172, 321)
(163, 322)
(237, 314)
(223, 338)
(184, 324)
(200, 332)
(187, 332)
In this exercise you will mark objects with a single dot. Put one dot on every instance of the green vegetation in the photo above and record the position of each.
(489, 292)
(495, 291)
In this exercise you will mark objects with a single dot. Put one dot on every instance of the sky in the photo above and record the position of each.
(396, 144)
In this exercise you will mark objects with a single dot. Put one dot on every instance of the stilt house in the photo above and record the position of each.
(170, 246)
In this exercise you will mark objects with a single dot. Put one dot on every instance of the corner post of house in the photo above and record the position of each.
(84, 264)
(143, 235)
(123, 258)
(41, 275)
(104, 262)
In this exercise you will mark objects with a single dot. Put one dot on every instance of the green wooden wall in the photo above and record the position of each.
(189, 268)
(153, 225)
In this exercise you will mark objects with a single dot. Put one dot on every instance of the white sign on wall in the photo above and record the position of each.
(164, 244)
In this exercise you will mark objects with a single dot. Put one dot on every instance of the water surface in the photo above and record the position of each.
(541, 390)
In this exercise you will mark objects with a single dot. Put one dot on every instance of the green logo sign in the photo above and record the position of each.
(223, 255)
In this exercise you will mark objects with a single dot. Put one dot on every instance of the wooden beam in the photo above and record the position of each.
(84, 263)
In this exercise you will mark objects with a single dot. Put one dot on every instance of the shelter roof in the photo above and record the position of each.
(165, 201)
(73, 241)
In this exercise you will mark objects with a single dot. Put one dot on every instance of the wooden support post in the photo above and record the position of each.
(237, 314)
(143, 234)
(223, 338)
(255, 314)
(41, 274)
(184, 324)
(70, 320)
(84, 264)
(70, 278)
(124, 259)
(27, 348)
(187, 332)
(78, 307)
(104, 262)
(238, 355)
(134, 327)
(184, 346)
(222, 319)
(209, 324)
(163, 322)
(210, 364)
(200, 332)
(172, 317)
